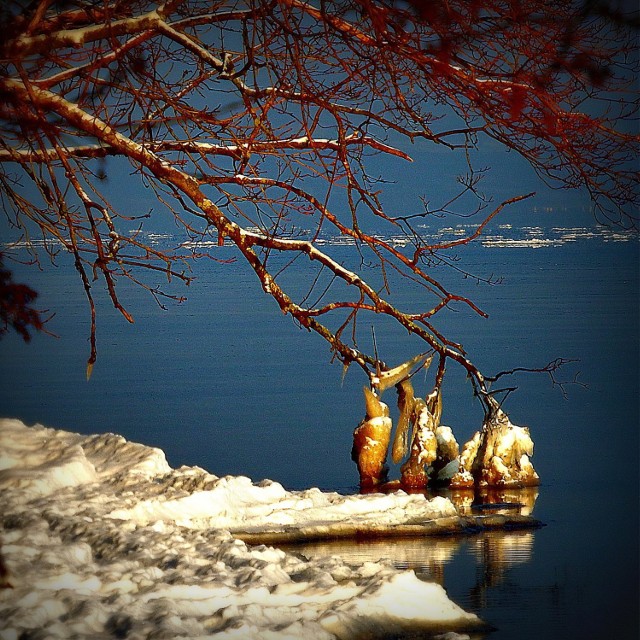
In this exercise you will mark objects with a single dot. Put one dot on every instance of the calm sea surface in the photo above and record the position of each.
(226, 382)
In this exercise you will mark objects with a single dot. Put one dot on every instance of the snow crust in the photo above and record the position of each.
(102, 539)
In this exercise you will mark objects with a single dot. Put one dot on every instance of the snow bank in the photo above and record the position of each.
(102, 539)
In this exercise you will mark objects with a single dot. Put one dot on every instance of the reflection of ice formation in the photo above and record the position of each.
(495, 553)
(427, 557)
(500, 551)
(494, 500)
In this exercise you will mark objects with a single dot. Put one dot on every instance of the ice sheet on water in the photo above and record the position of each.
(102, 538)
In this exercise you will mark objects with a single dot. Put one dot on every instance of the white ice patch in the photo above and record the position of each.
(101, 538)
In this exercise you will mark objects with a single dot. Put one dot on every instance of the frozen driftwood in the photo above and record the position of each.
(499, 455)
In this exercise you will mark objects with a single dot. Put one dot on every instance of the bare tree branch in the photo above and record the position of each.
(255, 123)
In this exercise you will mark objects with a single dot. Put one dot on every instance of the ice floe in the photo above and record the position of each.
(102, 539)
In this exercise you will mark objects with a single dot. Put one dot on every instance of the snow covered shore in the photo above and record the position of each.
(102, 539)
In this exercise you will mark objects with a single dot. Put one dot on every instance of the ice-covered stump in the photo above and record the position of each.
(372, 436)
(431, 448)
(433, 445)
(497, 456)
(371, 441)
(424, 450)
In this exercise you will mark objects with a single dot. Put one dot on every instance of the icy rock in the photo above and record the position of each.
(448, 449)
(446, 464)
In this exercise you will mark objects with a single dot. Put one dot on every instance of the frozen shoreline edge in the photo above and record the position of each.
(447, 526)
(100, 524)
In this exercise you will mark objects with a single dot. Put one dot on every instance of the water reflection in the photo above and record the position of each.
(494, 553)
(478, 501)
(426, 556)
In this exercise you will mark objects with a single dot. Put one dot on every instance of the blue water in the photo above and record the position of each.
(226, 382)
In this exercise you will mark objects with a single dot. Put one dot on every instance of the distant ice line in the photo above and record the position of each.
(522, 237)
(532, 237)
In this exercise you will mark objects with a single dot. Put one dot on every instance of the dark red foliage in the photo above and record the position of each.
(16, 311)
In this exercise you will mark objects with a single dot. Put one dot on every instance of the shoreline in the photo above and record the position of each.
(460, 525)
(101, 537)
